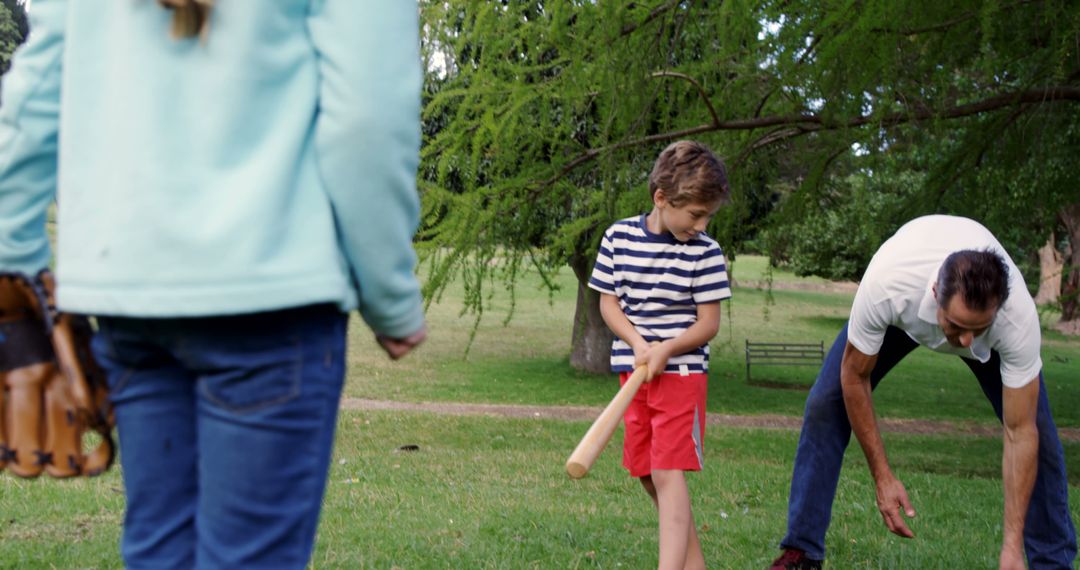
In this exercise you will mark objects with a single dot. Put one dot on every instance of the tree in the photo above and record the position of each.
(856, 214)
(543, 117)
(982, 141)
(1070, 286)
(1051, 264)
(529, 87)
(13, 30)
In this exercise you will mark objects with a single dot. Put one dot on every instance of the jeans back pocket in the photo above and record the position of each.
(251, 375)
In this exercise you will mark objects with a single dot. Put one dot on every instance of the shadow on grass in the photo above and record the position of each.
(545, 381)
(826, 322)
(960, 456)
(781, 385)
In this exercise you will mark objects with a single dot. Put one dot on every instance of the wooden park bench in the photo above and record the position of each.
(783, 353)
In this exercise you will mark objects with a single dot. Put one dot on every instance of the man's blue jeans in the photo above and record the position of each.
(226, 427)
(1049, 535)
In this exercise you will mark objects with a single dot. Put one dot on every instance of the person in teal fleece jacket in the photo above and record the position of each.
(231, 178)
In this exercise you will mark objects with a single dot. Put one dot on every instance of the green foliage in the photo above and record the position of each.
(519, 97)
(852, 220)
(542, 119)
(921, 69)
(13, 30)
(1022, 182)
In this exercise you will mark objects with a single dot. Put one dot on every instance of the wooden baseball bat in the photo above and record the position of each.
(596, 439)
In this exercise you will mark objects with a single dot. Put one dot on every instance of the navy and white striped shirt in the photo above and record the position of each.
(659, 281)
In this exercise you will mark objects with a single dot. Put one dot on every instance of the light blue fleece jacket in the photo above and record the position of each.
(271, 166)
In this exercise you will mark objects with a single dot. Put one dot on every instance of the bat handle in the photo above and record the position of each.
(596, 439)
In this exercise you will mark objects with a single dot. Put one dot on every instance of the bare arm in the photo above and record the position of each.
(855, 382)
(620, 325)
(1019, 465)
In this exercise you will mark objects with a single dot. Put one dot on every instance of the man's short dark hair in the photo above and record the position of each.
(980, 277)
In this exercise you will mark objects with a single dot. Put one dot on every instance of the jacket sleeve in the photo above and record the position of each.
(29, 127)
(367, 137)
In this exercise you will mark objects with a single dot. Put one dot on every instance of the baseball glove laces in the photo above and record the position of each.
(54, 393)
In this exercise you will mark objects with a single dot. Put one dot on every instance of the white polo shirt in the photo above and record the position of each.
(897, 290)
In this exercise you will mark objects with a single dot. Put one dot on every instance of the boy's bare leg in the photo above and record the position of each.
(695, 558)
(673, 501)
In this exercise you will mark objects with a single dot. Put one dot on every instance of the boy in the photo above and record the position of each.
(661, 280)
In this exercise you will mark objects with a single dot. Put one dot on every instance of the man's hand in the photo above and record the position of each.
(398, 347)
(892, 499)
(1012, 558)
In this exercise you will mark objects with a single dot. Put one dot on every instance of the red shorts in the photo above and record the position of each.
(665, 424)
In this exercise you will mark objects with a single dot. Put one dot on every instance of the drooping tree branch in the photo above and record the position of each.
(803, 123)
(946, 25)
(656, 13)
(694, 82)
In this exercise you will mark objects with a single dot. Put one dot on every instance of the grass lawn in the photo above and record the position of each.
(525, 360)
(491, 492)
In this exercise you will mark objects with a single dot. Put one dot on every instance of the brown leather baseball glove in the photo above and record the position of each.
(53, 391)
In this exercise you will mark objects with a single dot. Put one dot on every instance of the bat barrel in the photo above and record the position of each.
(576, 469)
(586, 452)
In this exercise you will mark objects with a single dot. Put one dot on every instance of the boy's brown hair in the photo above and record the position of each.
(689, 173)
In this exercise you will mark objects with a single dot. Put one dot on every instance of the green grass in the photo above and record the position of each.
(61, 524)
(490, 492)
(486, 493)
(525, 360)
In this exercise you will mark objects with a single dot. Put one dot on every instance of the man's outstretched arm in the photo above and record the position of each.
(855, 382)
(1019, 466)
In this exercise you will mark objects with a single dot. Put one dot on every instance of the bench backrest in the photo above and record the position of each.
(781, 353)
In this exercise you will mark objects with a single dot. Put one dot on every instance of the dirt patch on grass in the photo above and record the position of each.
(762, 421)
(824, 287)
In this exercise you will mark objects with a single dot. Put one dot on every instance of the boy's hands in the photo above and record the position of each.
(641, 349)
(655, 355)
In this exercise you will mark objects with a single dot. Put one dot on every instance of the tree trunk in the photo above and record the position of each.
(1050, 265)
(1070, 285)
(591, 344)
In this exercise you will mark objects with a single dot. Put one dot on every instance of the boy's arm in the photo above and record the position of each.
(622, 327)
(699, 333)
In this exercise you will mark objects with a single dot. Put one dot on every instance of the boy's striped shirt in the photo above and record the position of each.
(659, 282)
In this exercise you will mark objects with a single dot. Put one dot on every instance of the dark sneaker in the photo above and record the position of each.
(795, 559)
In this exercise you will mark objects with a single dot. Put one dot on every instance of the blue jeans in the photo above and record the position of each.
(226, 427)
(1049, 535)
